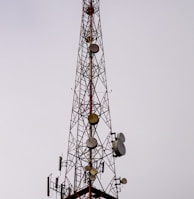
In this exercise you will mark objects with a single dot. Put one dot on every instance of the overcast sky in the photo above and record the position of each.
(149, 52)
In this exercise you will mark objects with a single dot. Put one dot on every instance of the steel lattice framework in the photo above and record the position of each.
(90, 162)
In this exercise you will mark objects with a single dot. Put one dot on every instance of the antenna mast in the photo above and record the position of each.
(89, 169)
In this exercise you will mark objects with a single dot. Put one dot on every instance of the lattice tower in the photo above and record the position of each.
(92, 146)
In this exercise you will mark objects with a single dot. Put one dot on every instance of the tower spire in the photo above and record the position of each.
(89, 168)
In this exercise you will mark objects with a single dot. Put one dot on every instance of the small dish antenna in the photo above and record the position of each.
(92, 177)
(121, 137)
(94, 48)
(93, 119)
(123, 181)
(119, 148)
(91, 143)
(87, 168)
(93, 171)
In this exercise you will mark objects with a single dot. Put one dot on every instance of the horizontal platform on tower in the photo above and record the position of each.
(96, 193)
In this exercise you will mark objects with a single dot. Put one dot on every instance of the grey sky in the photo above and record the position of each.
(149, 47)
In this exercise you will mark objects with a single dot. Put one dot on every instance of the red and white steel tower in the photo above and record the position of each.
(89, 169)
